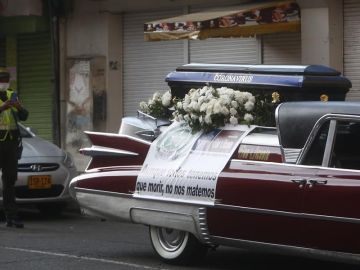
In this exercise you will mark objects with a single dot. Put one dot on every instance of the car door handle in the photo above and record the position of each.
(313, 182)
(300, 182)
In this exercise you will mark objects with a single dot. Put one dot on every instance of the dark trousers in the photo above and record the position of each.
(8, 165)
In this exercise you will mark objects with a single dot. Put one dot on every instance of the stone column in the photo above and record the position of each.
(322, 32)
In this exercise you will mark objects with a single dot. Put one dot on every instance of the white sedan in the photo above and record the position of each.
(44, 174)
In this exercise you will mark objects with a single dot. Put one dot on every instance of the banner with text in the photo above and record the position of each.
(181, 166)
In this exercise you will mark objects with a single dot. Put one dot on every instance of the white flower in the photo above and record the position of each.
(249, 106)
(201, 100)
(203, 90)
(234, 104)
(156, 95)
(233, 111)
(225, 111)
(201, 119)
(249, 97)
(200, 105)
(208, 119)
(203, 107)
(179, 105)
(195, 96)
(231, 93)
(158, 105)
(248, 117)
(217, 107)
(166, 99)
(191, 90)
(224, 100)
(186, 117)
(209, 109)
(239, 97)
(233, 120)
(143, 106)
(194, 106)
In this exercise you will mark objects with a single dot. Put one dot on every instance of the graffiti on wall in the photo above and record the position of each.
(79, 107)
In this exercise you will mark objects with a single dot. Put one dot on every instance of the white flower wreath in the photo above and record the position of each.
(158, 106)
(208, 108)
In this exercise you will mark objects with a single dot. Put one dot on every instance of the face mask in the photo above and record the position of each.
(4, 86)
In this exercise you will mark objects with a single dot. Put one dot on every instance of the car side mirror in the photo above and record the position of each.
(31, 130)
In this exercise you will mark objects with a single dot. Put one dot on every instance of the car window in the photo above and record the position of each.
(315, 154)
(262, 144)
(345, 149)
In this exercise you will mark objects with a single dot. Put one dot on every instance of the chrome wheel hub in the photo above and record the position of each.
(170, 239)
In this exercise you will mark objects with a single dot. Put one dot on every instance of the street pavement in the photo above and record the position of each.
(73, 241)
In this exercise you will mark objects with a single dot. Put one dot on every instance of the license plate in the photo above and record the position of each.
(39, 182)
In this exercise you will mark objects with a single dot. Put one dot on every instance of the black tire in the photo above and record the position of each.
(176, 247)
(51, 209)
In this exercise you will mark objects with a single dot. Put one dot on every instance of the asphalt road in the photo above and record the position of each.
(73, 241)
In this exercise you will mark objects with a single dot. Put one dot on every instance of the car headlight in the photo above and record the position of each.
(68, 160)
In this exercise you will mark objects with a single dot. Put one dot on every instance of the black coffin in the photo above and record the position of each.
(292, 82)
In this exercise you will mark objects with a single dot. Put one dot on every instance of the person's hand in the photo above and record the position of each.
(6, 105)
(16, 104)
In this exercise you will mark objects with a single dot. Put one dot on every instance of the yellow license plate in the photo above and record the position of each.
(39, 182)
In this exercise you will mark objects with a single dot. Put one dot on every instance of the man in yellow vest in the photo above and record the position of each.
(11, 111)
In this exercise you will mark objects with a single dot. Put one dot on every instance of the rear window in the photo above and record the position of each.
(259, 153)
(262, 144)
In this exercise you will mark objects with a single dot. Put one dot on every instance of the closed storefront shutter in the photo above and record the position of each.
(281, 49)
(146, 64)
(35, 84)
(352, 46)
(224, 50)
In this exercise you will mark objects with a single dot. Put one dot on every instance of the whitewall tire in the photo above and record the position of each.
(176, 247)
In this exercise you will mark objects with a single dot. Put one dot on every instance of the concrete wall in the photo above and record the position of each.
(322, 32)
(86, 30)
(114, 72)
(91, 32)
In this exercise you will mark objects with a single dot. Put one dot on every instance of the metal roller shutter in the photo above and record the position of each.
(352, 46)
(281, 48)
(35, 81)
(146, 64)
(224, 50)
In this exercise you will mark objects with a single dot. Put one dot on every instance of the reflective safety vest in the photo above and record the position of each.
(7, 117)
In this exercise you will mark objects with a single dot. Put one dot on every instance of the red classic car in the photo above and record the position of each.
(292, 189)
